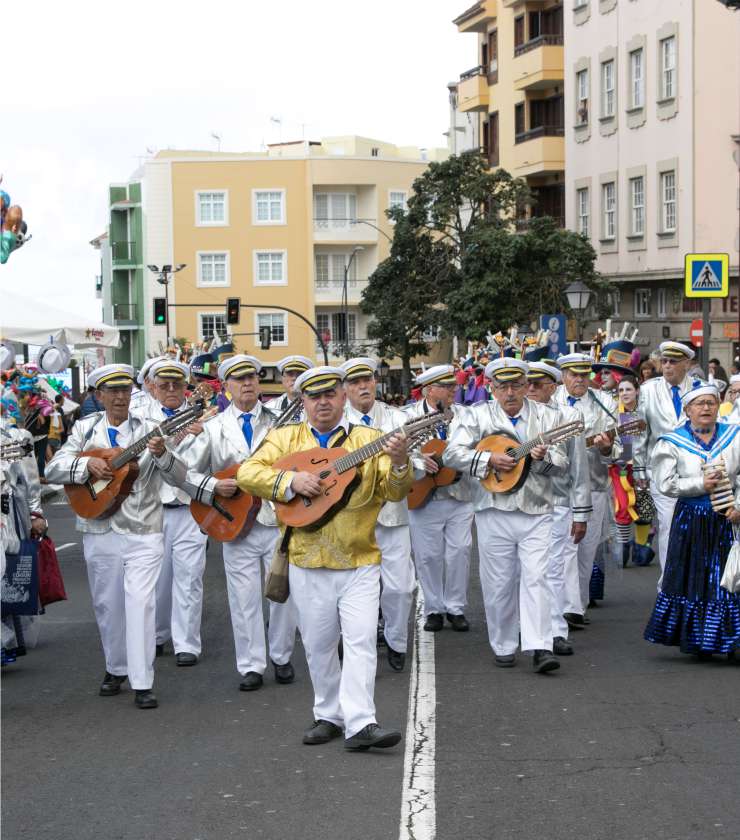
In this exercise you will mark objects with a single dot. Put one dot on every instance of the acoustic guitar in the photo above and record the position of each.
(631, 427)
(227, 518)
(423, 488)
(336, 468)
(99, 498)
(16, 450)
(506, 444)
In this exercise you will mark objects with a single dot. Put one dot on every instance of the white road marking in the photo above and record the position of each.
(418, 805)
(63, 546)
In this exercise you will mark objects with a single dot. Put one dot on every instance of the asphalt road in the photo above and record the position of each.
(627, 740)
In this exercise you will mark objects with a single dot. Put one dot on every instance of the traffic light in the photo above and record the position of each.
(233, 306)
(265, 337)
(160, 312)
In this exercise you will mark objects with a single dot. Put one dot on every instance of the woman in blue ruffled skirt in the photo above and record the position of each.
(692, 611)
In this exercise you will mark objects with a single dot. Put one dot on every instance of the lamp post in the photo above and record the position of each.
(163, 277)
(345, 301)
(578, 295)
(383, 371)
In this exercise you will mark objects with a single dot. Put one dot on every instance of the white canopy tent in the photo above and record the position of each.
(30, 321)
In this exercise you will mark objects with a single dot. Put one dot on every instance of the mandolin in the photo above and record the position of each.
(423, 488)
(16, 450)
(631, 427)
(506, 444)
(337, 470)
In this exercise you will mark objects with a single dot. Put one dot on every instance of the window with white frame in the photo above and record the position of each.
(662, 304)
(397, 198)
(334, 210)
(276, 322)
(212, 208)
(329, 270)
(642, 303)
(668, 201)
(637, 79)
(330, 326)
(211, 325)
(270, 268)
(609, 206)
(582, 94)
(668, 68)
(582, 210)
(616, 302)
(213, 269)
(607, 89)
(269, 207)
(637, 206)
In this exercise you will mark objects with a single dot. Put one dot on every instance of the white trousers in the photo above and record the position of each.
(398, 579)
(513, 549)
(442, 538)
(330, 602)
(665, 505)
(563, 555)
(244, 560)
(180, 584)
(578, 574)
(122, 570)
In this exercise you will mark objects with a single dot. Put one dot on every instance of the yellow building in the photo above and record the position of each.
(516, 88)
(279, 228)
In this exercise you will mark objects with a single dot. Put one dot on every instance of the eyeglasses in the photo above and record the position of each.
(510, 386)
(171, 386)
(704, 403)
(667, 361)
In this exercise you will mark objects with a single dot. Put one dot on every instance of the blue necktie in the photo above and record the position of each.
(676, 400)
(325, 438)
(572, 401)
(168, 411)
(247, 429)
(366, 419)
(514, 420)
(112, 435)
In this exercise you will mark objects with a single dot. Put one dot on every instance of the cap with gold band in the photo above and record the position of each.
(146, 367)
(293, 364)
(169, 369)
(359, 367)
(543, 370)
(506, 369)
(700, 389)
(575, 362)
(111, 376)
(238, 365)
(675, 350)
(437, 375)
(316, 380)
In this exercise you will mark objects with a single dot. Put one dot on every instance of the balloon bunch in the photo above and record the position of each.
(13, 229)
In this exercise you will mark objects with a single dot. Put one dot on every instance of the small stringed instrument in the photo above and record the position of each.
(16, 450)
(423, 488)
(631, 427)
(506, 444)
(337, 470)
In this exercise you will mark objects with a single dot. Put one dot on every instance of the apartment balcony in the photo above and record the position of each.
(124, 315)
(123, 254)
(538, 63)
(539, 151)
(340, 231)
(477, 17)
(472, 90)
(329, 293)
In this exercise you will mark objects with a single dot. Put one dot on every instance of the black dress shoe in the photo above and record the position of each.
(159, 649)
(562, 647)
(251, 681)
(434, 623)
(505, 660)
(593, 603)
(321, 732)
(458, 622)
(284, 674)
(544, 661)
(395, 659)
(586, 620)
(372, 736)
(574, 621)
(185, 659)
(111, 685)
(145, 699)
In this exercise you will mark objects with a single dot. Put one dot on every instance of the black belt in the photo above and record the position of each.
(172, 505)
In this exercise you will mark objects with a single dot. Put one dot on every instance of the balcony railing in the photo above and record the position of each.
(474, 71)
(124, 312)
(540, 131)
(523, 223)
(123, 251)
(539, 41)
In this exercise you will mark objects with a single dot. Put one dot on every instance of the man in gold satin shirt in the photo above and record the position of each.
(335, 570)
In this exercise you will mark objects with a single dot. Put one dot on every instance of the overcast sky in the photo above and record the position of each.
(96, 85)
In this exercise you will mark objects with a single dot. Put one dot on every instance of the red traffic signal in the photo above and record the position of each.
(233, 309)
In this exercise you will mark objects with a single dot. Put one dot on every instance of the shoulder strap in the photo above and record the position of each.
(602, 406)
(92, 428)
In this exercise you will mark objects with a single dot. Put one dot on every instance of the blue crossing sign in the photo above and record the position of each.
(707, 275)
(557, 340)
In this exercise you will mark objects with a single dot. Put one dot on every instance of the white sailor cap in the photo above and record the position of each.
(238, 365)
(735, 379)
(359, 367)
(437, 375)
(53, 357)
(144, 372)
(111, 376)
(293, 364)
(169, 369)
(676, 350)
(699, 390)
(316, 380)
(506, 368)
(576, 362)
(538, 370)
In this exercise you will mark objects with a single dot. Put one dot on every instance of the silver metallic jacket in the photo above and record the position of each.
(477, 421)
(221, 444)
(279, 404)
(20, 481)
(141, 511)
(655, 405)
(596, 420)
(573, 487)
(385, 418)
(460, 490)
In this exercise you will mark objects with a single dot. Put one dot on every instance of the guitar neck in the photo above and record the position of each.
(165, 429)
(610, 433)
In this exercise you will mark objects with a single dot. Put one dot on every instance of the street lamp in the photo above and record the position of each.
(383, 371)
(163, 277)
(578, 295)
(345, 301)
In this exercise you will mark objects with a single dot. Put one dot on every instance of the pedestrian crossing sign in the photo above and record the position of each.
(707, 275)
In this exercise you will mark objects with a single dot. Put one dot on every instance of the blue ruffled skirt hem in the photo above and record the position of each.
(694, 626)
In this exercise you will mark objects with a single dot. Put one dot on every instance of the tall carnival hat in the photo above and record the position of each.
(506, 369)
(293, 364)
(575, 362)
(203, 366)
(675, 350)
(111, 376)
(359, 367)
(616, 352)
(239, 365)
(437, 375)
(169, 369)
(535, 348)
(503, 346)
(53, 357)
(316, 380)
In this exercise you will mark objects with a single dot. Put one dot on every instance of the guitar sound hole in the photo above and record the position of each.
(324, 474)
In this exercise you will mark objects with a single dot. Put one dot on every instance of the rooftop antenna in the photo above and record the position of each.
(278, 121)
(217, 138)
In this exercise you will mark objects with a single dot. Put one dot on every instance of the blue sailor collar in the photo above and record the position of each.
(682, 438)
